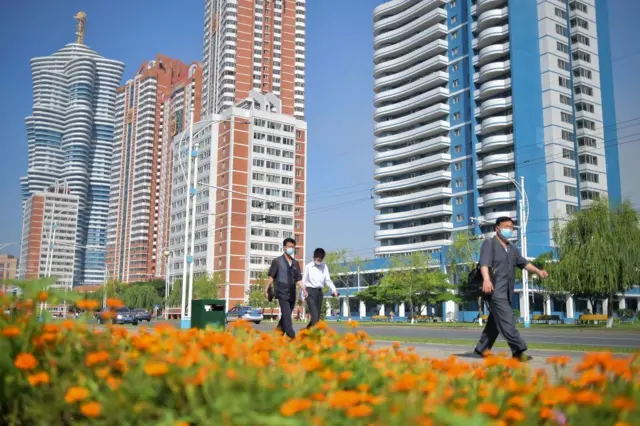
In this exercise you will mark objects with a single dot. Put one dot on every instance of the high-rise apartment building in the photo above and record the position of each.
(151, 108)
(254, 44)
(474, 95)
(70, 139)
(8, 269)
(49, 235)
(250, 193)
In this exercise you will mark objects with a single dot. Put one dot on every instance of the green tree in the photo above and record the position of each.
(141, 296)
(175, 295)
(256, 294)
(598, 251)
(340, 267)
(208, 286)
(334, 304)
(461, 256)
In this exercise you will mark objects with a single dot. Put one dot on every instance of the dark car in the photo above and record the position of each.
(142, 315)
(246, 313)
(123, 316)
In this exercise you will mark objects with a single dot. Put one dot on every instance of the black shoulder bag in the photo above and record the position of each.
(473, 288)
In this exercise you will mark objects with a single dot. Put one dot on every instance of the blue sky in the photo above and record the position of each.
(339, 93)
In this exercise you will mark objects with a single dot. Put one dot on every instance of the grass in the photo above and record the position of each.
(539, 346)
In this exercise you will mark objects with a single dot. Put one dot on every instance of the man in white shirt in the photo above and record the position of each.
(315, 277)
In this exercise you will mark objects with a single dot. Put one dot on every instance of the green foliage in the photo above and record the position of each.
(598, 251)
(207, 286)
(175, 295)
(141, 296)
(340, 265)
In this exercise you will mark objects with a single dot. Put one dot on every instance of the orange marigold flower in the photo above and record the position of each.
(344, 399)
(623, 403)
(359, 411)
(321, 326)
(354, 324)
(346, 375)
(311, 364)
(514, 415)
(294, 406)
(622, 424)
(156, 369)
(115, 303)
(94, 358)
(363, 387)
(91, 409)
(405, 383)
(588, 397)
(489, 409)
(181, 423)
(559, 360)
(546, 413)
(75, 394)
(11, 331)
(25, 361)
(113, 382)
(231, 374)
(43, 296)
(38, 378)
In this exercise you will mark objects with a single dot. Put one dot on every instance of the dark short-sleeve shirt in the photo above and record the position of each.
(502, 264)
(285, 275)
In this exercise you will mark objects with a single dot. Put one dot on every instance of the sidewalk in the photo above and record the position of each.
(465, 353)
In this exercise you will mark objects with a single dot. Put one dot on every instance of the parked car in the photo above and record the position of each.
(142, 315)
(123, 316)
(246, 313)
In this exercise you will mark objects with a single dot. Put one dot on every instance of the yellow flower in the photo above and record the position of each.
(75, 394)
(91, 409)
(156, 369)
(25, 361)
(294, 406)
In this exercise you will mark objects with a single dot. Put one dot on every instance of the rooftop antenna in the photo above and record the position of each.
(81, 17)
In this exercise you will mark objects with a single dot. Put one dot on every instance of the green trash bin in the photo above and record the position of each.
(207, 313)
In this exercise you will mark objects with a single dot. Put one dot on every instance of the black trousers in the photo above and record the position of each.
(501, 321)
(314, 303)
(287, 301)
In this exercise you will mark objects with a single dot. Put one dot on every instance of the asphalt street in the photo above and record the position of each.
(578, 337)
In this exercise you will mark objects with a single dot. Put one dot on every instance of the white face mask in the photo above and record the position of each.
(318, 262)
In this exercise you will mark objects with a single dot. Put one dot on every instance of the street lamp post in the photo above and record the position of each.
(523, 207)
(167, 265)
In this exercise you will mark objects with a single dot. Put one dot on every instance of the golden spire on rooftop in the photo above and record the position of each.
(81, 17)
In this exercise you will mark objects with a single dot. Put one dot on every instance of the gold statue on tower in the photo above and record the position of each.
(81, 17)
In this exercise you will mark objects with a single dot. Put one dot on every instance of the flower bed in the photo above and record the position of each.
(67, 373)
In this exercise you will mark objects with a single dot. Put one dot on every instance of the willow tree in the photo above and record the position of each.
(598, 251)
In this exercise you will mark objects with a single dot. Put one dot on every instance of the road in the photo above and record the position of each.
(578, 337)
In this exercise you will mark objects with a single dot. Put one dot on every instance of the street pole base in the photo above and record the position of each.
(185, 323)
(527, 324)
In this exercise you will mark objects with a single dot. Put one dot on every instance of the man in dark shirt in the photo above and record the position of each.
(284, 276)
(498, 260)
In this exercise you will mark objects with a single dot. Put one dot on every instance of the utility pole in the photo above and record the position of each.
(523, 248)
(188, 259)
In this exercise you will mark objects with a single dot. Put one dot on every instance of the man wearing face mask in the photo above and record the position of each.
(498, 260)
(284, 276)
(315, 277)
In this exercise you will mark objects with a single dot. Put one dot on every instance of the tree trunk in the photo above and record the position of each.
(610, 311)
(413, 319)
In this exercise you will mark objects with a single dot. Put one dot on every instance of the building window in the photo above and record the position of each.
(571, 191)
(590, 195)
(587, 141)
(568, 154)
(459, 218)
(455, 67)
(581, 39)
(582, 72)
(581, 89)
(456, 99)
(458, 148)
(561, 13)
(458, 165)
(456, 116)
(458, 183)
(568, 136)
(564, 99)
(570, 172)
(588, 159)
(583, 123)
(454, 35)
(589, 177)
(576, 5)
(564, 82)
(454, 19)
(561, 30)
(579, 22)
(455, 51)
(585, 106)
(459, 200)
(456, 83)
(571, 209)
(563, 65)
(566, 117)
(456, 132)
(563, 47)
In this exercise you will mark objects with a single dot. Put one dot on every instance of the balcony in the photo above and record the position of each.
(492, 88)
(495, 160)
(414, 197)
(431, 113)
(439, 94)
(407, 248)
(410, 166)
(439, 210)
(397, 21)
(427, 82)
(493, 106)
(490, 181)
(494, 198)
(421, 37)
(490, 18)
(433, 129)
(492, 216)
(491, 36)
(438, 62)
(426, 179)
(491, 53)
(492, 70)
(437, 143)
(484, 5)
(431, 228)
(494, 124)
(432, 49)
